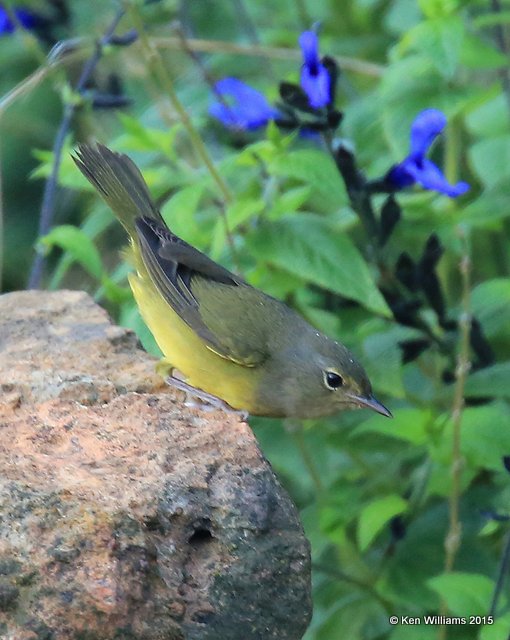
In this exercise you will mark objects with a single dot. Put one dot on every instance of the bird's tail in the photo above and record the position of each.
(119, 182)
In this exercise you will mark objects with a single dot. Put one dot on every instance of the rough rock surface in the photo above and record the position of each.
(123, 513)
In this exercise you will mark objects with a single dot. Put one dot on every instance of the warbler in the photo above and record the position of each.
(227, 338)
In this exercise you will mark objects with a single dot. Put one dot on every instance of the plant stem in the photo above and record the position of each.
(50, 187)
(454, 534)
(155, 63)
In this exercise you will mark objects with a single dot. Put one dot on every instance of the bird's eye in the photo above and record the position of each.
(333, 380)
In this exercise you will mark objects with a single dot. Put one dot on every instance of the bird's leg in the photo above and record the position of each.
(210, 402)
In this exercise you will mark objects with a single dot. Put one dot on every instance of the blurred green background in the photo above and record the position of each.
(376, 496)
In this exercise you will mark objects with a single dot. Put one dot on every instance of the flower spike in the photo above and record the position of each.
(416, 168)
(241, 107)
(315, 78)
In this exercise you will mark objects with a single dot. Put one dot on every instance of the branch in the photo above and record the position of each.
(454, 533)
(50, 188)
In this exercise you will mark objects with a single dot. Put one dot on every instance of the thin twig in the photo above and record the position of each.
(157, 65)
(50, 187)
(454, 533)
(279, 53)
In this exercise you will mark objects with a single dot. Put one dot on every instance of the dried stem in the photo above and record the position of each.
(279, 53)
(454, 533)
(50, 187)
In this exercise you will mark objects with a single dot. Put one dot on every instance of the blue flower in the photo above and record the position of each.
(416, 168)
(242, 107)
(315, 79)
(26, 18)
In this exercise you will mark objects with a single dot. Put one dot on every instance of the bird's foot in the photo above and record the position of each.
(208, 402)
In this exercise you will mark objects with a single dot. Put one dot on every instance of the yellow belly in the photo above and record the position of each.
(186, 352)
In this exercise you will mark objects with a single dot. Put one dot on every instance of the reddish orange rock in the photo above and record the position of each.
(123, 513)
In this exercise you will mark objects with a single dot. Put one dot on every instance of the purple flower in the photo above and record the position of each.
(416, 168)
(26, 18)
(242, 107)
(315, 79)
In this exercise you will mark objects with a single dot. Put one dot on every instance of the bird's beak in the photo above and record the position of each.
(371, 403)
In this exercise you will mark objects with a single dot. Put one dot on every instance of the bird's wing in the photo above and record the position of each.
(210, 299)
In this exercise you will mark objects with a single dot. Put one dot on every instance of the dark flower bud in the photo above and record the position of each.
(397, 528)
(109, 101)
(480, 345)
(390, 215)
(412, 349)
(334, 118)
(427, 278)
(294, 96)
(125, 39)
(405, 271)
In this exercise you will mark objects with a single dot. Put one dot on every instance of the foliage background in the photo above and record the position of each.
(379, 499)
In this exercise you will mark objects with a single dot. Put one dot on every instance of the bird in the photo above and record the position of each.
(221, 337)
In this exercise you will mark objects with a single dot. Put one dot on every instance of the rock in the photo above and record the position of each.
(123, 513)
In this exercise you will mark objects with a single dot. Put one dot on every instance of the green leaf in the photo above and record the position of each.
(78, 245)
(409, 425)
(242, 210)
(466, 594)
(383, 362)
(497, 630)
(489, 208)
(313, 249)
(440, 39)
(490, 118)
(115, 292)
(491, 382)
(491, 159)
(438, 8)
(354, 614)
(491, 305)
(417, 632)
(68, 175)
(375, 515)
(95, 223)
(179, 212)
(318, 171)
(477, 54)
(140, 137)
(485, 437)
(491, 19)
(289, 201)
